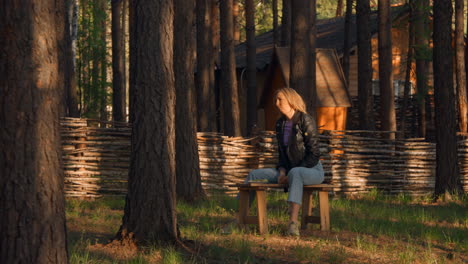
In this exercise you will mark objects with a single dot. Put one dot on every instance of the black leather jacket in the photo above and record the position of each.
(302, 149)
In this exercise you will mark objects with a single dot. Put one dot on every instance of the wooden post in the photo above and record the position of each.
(262, 211)
(324, 211)
(306, 208)
(243, 207)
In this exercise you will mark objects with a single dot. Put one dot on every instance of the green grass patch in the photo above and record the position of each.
(372, 228)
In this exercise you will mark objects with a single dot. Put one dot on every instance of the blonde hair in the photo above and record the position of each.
(294, 99)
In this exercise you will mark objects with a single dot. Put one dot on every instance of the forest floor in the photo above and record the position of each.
(371, 228)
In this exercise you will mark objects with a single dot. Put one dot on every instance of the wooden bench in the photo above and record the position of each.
(261, 218)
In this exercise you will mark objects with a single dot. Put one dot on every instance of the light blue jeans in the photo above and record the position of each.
(297, 178)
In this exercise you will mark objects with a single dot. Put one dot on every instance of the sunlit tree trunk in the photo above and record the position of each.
(235, 21)
(32, 70)
(365, 97)
(150, 213)
(387, 93)
(228, 71)
(460, 65)
(339, 8)
(447, 172)
(299, 59)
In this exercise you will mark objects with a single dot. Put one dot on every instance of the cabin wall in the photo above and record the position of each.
(331, 118)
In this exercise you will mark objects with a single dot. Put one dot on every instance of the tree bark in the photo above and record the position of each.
(150, 212)
(387, 93)
(460, 66)
(235, 21)
(447, 171)
(312, 110)
(299, 59)
(365, 97)
(123, 45)
(118, 67)
(70, 76)
(228, 71)
(188, 169)
(276, 33)
(409, 63)
(204, 64)
(215, 116)
(286, 24)
(339, 8)
(99, 58)
(347, 39)
(132, 88)
(32, 70)
(422, 56)
(251, 67)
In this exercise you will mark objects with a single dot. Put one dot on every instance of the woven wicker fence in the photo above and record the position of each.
(96, 159)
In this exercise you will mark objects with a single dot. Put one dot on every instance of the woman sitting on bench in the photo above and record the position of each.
(299, 164)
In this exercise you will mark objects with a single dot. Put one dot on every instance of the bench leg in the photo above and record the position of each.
(243, 207)
(306, 208)
(324, 211)
(262, 212)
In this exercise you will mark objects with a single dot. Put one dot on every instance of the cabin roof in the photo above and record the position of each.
(330, 83)
(330, 35)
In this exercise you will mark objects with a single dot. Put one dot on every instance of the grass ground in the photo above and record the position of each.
(372, 228)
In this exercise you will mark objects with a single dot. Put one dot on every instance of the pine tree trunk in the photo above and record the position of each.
(460, 66)
(228, 71)
(286, 24)
(422, 56)
(132, 88)
(216, 113)
(150, 212)
(103, 7)
(347, 39)
(188, 169)
(118, 67)
(276, 33)
(299, 59)
(339, 8)
(409, 63)
(312, 110)
(32, 70)
(70, 76)
(235, 21)
(365, 97)
(251, 67)
(447, 172)
(387, 93)
(204, 61)
(123, 48)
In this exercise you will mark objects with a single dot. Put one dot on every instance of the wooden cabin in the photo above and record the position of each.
(332, 97)
(330, 35)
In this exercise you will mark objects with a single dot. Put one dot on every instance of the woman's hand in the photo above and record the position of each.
(282, 178)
